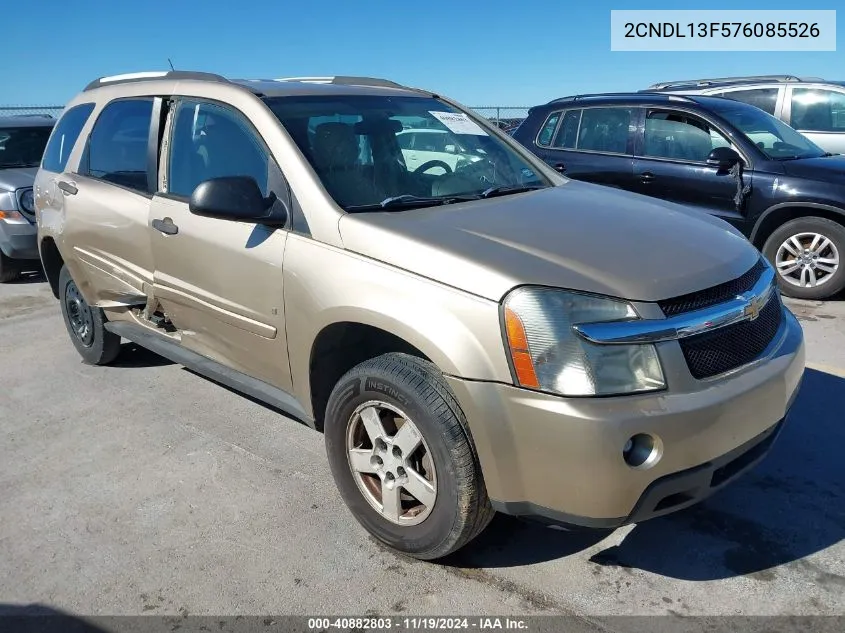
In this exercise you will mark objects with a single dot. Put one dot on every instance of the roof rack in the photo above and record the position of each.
(729, 80)
(154, 74)
(346, 80)
(610, 94)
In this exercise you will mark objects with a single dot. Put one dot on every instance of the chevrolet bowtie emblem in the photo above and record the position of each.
(752, 309)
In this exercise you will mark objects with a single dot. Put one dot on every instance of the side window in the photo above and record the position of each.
(680, 136)
(117, 147)
(544, 138)
(763, 98)
(64, 137)
(567, 134)
(817, 110)
(211, 141)
(605, 130)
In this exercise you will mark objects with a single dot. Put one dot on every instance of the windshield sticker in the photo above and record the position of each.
(459, 123)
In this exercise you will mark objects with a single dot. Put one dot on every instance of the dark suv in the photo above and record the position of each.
(723, 156)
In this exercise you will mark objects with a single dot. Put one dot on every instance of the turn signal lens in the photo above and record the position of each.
(520, 354)
(12, 217)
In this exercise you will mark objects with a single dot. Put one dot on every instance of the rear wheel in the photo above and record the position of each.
(9, 269)
(807, 254)
(85, 324)
(402, 459)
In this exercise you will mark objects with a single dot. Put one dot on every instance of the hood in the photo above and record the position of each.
(576, 235)
(825, 168)
(16, 177)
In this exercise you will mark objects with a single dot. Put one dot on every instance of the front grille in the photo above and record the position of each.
(712, 296)
(715, 352)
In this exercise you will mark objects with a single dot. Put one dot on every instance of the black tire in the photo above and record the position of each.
(461, 509)
(9, 269)
(834, 231)
(100, 347)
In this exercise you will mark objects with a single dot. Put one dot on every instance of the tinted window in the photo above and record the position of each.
(64, 137)
(680, 136)
(567, 135)
(818, 110)
(548, 129)
(604, 130)
(117, 148)
(210, 141)
(764, 98)
(22, 146)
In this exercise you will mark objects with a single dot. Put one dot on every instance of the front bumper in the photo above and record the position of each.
(19, 241)
(561, 458)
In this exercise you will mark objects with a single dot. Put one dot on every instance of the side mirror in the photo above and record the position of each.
(723, 158)
(236, 198)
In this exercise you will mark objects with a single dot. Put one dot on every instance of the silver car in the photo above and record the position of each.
(813, 106)
(22, 142)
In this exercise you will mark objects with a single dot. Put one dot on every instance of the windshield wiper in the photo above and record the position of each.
(409, 201)
(505, 190)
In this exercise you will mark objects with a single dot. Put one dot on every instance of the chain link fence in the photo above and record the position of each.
(503, 116)
(30, 110)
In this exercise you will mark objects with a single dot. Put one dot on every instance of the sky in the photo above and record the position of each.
(491, 53)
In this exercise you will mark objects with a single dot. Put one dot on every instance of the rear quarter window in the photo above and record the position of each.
(64, 137)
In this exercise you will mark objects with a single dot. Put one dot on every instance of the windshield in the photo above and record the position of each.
(775, 138)
(22, 146)
(378, 152)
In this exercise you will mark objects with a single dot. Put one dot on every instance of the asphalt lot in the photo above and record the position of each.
(145, 489)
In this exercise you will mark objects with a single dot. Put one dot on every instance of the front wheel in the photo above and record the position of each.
(85, 324)
(807, 252)
(402, 459)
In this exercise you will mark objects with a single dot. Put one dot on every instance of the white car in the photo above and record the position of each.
(433, 149)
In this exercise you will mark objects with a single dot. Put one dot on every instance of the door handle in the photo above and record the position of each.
(69, 188)
(560, 167)
(165, 226)
(647, 177)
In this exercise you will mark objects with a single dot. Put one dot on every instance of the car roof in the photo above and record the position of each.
(27, 120)
(724, 82)
(634, 98)
(278, 87)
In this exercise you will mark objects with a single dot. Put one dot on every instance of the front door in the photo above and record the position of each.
(220, 281)
(671, 164)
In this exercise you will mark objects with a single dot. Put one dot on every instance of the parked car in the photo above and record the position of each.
(495, 338)
(429, 148)
(725, 157)
(22, 141)
(811, 105)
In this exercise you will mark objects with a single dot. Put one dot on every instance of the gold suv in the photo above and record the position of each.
(488, 336)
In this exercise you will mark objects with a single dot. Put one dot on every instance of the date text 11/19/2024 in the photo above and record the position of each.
(417, 623)
(722, 29)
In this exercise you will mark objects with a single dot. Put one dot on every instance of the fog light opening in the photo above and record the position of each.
(642, 451)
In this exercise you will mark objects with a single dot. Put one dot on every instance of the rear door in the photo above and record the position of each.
(671, 163)
(220, 281)
(104, 204)
(593, 144)
(819, 114)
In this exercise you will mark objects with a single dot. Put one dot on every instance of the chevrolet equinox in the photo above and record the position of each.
(469, 338)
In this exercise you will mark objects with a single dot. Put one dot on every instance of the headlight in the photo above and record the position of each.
(27, 201)
(547, 354)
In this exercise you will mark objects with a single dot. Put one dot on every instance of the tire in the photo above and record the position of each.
(416, 389)
(9, 270)
(803, 230)
(96, 345)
